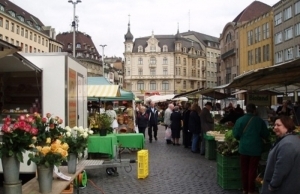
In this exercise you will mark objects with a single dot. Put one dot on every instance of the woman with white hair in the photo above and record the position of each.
(142, 119)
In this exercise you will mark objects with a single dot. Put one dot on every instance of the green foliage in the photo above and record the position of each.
(101, 121)
(222, 128)
(230, 146)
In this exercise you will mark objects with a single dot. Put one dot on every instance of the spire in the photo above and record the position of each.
(152, 34)
(177, 36)
(128, 36)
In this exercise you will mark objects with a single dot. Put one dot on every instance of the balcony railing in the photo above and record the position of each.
(152, 65)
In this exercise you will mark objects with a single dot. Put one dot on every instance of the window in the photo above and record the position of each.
(152, 48)
(17, 43)
(250, 58)
(6, 39)
(78, 45)
(1, 22)
(21, 18)
(12, 41)
(12, 27)
(256, 35)
(12, 13)
(288, 33)
(29, 22)
(184, 71)
(152, 85)
(278, 57)
(128, 72)
(128, 60)
(42, 41)
(184, 49)
(34, 37)
(297, 29)
(266, 53)
(165, 61)
(288, 54)
(26, 48)
(165, 71)
(140, 85)
(38, 27)
(297, 50)
(278, 38)
(1, 8)
(165, 48)
(198, 73)
(297, 7)
(7, 25)
(288, 13)
(268, 30)
(140, 61)
(39, 39)
(128, 48)
(165, 85)
(69, 46)
(184, 85)
(259, 55)
(140, 49)
(152, 61)
(250, 37)
(278, 18)
(26, 33)
(34, 50)
(152, 71)
(22, 31)
(30, 35)
(46, 43)
(256, 55)
(140, 71)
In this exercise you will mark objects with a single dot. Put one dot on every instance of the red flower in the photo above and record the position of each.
(34, 131)
(6, 129)
(22, 124)
(22, 117)
(44, 120)
(51, 126)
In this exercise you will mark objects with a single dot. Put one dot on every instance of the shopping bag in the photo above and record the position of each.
(136, 129)
(115, 124)
(168, 133)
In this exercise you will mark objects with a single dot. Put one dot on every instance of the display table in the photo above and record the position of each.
(58, 185)
(130, 140)
(102, 144)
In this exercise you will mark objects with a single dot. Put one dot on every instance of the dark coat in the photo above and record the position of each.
(186, 118)
(176, 121)
(283, 169)
(194, 123)
(287, 113)
(207, 122)
(153, 116)
(142, 120)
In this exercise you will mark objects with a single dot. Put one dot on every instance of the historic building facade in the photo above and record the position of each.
(286, 30)
(22, 29)
(164, 64)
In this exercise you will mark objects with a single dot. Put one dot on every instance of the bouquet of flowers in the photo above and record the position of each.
(49, 148)
(17, 137)
(77, 139)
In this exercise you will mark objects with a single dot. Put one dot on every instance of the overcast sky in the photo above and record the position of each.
(106, 20)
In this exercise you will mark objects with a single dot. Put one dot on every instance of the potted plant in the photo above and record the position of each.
(101, 123)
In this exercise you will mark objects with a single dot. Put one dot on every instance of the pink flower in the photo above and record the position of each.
(48, 115)
(60, 121)
(30, 119)
(6, 128)
(27, 128)
(22, 117)
(44, 120)
(22, 124)
(34, 131)
(51, 126)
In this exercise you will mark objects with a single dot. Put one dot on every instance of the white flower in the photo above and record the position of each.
(80, 129)
(91, 132)
(68, 129)
(68, 134)
(85, 135)
(75, 128)
(86, 130)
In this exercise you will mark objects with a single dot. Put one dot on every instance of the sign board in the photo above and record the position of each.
(259, 99)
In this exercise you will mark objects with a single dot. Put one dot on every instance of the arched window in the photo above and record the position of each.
(140, 85)
(165, 48)
(78, 45)
(165, 85)
(140, 61)
(165, 61)
(69, 45)
(152, 85)
(140, 49)
(228, 37)
(152, 60)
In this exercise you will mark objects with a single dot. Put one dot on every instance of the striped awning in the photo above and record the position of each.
(103, 91)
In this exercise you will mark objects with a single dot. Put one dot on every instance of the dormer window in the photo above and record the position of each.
(198, 52)
(29, 22)
(21, 18)
(78, 45)
(184, 49)
(69, 46)
(38, 27)
(152, 48)
(165, 48)
(177, 47)
(1, 8)
(140, 49)
(12, 13)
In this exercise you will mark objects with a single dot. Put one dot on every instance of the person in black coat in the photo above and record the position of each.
(187, 135)
(153, 121)
(195, 127)
(176, 118)
(142, 119)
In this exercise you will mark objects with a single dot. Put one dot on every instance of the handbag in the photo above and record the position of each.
(168, 133)
(247, 124)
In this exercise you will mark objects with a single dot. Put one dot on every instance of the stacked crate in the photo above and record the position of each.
(229, 172)
(143, 164)
(210, 147)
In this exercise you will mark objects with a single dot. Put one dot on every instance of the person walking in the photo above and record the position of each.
(283, 169)
(250, 129)
(176, 118)
(195, 127)
(187, 135)
(207, 124)
(167, 119)
(142, 120)
(153, 121)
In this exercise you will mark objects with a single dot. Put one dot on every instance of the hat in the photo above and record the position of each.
(208, 103)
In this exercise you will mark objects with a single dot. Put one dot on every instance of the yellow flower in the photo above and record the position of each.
(48, 140)
(34, 139)
(45, 150)
(54, 147)
(31, 146)
(39, 148)
(57, 141)
(64, 153)
(65, 146)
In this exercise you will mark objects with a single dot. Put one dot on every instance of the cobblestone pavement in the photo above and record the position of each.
(173, 170)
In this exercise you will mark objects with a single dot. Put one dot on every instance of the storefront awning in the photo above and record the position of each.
(100, 91)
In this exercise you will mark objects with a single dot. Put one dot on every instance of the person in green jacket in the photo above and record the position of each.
(250, 130)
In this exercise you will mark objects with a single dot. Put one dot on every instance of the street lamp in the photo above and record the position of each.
(103, 45)
(74, 23)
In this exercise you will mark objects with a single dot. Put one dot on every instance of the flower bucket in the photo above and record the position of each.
(103, 132)
(72, 163)
(45, 177)
(11, 169)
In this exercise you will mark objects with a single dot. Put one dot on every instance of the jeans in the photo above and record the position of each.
(195, 142)
(154, 127)
(249, 165)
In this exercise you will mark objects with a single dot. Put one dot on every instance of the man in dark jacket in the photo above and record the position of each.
(153, 121)
(207, 124)
(187, 136)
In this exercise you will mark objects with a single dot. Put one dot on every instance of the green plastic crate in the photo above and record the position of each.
(228, 161)
(229, 172)
(208, 137)
(210, 149)
(229, 183)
